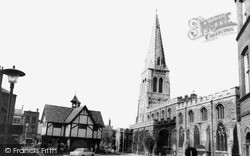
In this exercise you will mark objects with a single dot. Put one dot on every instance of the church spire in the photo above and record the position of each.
(156, 58)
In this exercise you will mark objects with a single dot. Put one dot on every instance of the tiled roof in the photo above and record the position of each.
(97, 116)
(73, 114)
(56, 114)
(61, 114)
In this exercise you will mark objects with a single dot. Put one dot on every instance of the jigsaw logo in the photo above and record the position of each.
(211, 28)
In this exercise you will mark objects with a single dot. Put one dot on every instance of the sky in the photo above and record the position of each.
(96, 50)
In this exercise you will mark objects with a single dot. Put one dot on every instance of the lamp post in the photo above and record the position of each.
(26, 130)
(13, 75)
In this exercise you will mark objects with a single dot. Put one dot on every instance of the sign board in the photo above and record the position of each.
(190, 151)
(201, 149)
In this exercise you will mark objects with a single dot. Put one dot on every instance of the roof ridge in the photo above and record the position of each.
(57, 106)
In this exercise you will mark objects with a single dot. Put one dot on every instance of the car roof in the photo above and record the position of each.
(81, 148)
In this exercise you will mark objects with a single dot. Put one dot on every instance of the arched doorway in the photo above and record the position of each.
(163, 142)
(247, 144)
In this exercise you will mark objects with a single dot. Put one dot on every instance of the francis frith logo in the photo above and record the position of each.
(211, 28)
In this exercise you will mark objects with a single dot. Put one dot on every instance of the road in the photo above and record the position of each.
(131, 154)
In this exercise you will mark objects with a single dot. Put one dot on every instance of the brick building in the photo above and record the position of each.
(30, 124)
(18, 121)
(243, 39)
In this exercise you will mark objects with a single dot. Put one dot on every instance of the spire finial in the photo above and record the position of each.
(156, 10)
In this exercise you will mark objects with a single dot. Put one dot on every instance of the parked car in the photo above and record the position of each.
(81, 152)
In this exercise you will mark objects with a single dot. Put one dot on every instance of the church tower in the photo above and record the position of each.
(155, 84)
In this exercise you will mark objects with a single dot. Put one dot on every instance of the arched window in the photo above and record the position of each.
(154, 84)
(196, 136)
(162, 114)
(162, 61)
(191, 116)
(148, 117)
(220, 111)
(158, 60)
(203, 114)
(160, 85)
(180, 118)
(169, 113)
(152, 116)
(181, 136)
(157, 115)
(221, 138)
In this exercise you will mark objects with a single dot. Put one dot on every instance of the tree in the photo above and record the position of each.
(108, 139)
(149, 143)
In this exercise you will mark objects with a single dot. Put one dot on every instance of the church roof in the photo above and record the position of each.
(156, 49)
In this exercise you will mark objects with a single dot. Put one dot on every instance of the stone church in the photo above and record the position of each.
(182, 122)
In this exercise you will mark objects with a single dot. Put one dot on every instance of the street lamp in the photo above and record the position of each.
(26, 130)
(13, 75)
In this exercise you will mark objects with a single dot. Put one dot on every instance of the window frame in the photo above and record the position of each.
(155, 80)
(181, 136)
(204, 116)
(220, 111)
(221, 138)
(191, 116)
(180, 118)
(161, 85)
